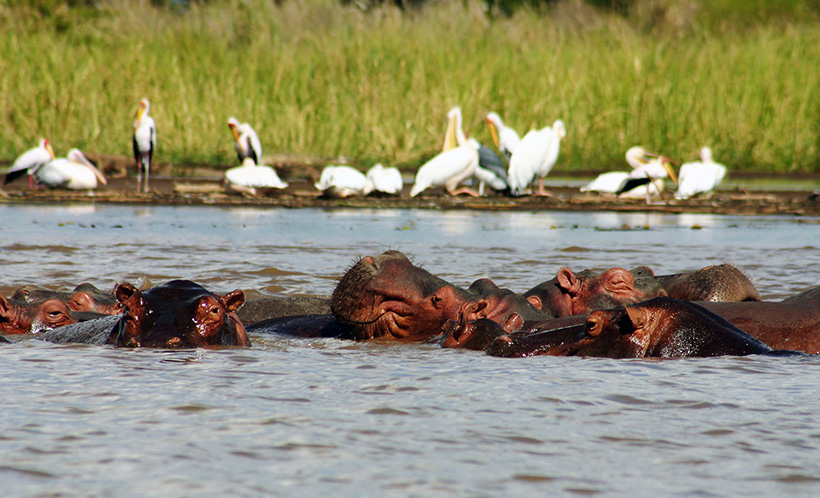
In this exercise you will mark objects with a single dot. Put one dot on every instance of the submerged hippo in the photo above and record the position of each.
(662, 327)
(178, 314)
(578, 293)
(18, 317)
(84, 297)
(718, 283)
(809, 297)
(388, 297)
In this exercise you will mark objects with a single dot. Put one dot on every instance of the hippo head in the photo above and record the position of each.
(35, 317)
(85, 301)
(178, 314)
(579, 293)
(387, 296)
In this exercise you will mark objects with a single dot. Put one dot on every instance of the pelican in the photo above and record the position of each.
(490, 168)
(385, 180)
(73, 172)
(646, 171)
(700, 177)
(606, 182)
(248, 177)
(246, 141)
(342, 181)
(505, 138)
(145, 143)
(29, 162)
(535, 157)
(453, 165)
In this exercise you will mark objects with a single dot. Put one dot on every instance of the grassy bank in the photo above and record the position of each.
(319, 78)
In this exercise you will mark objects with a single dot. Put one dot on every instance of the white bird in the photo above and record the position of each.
(246, 141)
(505, 138)
(606, 182)
(342, 181)
(145, 143)
(700, 177)
(535, 157)
(73, 172)
(385, 180)
(451, 167)
(29, 161)
(490, 168)
(250, 176)
(649, 168)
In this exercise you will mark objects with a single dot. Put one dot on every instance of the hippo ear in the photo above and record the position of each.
(125, 291)
(637, 316)
(567, 281)
(5, 305)
(239, 336)
(233, 300)
(535, 301)
(475, 311)
(595, 324)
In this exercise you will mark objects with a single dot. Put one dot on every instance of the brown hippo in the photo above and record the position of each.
(809, 297)
(573, 294)
(779, 325)
(386, 296)
(84, 297)
(719, 283)
(267, 308)
(178, 314)
(22, 318)
(662, 327)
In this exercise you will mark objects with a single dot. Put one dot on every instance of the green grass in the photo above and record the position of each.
(323, 79)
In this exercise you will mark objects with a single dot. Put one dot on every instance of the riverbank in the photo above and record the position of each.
(733, 199)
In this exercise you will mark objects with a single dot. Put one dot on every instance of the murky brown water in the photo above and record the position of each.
(325, 417)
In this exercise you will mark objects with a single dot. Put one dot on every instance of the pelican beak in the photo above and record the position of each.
(50, 150)
(140, 112)
(97, 172)
(235, 133)
(493, 132)
(669, 169)
(450, 141)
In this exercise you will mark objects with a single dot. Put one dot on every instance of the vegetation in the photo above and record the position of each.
(327, 78)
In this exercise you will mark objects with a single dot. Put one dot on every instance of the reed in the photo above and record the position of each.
(323, 79)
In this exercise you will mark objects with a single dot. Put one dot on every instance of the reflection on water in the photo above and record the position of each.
(326, 417)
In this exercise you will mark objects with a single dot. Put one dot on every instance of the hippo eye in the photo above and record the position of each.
(436, 299)
(214, 310)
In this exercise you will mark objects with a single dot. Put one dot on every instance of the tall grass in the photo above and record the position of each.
(318, 78)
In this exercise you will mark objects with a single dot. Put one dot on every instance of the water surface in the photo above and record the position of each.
(293, 417)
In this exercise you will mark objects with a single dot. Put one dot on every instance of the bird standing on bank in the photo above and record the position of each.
(145, 143)
(246, 141)
(700, 177)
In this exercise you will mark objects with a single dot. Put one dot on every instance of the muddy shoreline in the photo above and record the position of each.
(207, 190)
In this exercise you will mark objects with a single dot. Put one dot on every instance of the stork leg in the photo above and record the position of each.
(541, 192)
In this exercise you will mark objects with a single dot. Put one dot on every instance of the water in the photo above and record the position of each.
(293, 417)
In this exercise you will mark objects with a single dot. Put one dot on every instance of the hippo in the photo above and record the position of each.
(268, 308)
(18, 317)
(779, 325)
(718, 283)
(84, 297)
(809, 297)
(661, 327)
(178, 314)
(573, 294)
(388, 297)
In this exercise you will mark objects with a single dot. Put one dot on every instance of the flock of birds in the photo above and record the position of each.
(461, 159)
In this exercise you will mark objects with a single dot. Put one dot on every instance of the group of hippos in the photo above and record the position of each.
(616, 313)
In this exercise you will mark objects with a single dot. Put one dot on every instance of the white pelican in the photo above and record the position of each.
(649, 168)
(246, 141)
(606, 182)
(29, 161)
(505, 138)
(342, 181)
(248, 177)
(534, 157)
(490, 168)
(385, 180)
(145, 143)
(452, 166)
(73, 172)
(700, 177)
